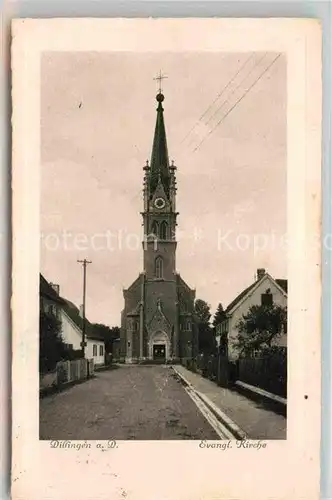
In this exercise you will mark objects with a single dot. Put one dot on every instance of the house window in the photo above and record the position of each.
(163, 230)
(94, 350)
(188, 325)
(159, 267)
(267, 298)
(101, 350)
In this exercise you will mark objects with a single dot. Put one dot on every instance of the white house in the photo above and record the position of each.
(72, 334)
(265, 290)
(71, 322)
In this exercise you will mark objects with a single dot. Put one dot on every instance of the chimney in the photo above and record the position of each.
(260, 273)
(81, 310)
(56, 288)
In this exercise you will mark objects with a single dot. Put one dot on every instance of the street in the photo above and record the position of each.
(129, 402)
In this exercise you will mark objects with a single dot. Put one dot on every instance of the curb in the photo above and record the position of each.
(262, 392)
(221, 416)
(275, 403)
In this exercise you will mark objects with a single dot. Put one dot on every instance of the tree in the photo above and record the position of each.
(51, 346)
(219, 316)
(202, 311)
(260, 327)
(206, 340)
(107, 334)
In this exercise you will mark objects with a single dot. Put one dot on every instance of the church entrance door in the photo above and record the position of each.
(159, 352)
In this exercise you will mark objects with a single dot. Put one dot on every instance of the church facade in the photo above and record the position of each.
(158, 322)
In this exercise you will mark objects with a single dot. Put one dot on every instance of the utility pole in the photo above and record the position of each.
(84, 264)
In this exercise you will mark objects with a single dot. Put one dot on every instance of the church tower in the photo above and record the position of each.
(157, 322)
(159, 216)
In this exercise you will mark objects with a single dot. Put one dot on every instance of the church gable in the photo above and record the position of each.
(159, 321)
(159, 195)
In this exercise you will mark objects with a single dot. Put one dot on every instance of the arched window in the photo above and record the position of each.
(163, 230)
(159, 267)
(154, 228)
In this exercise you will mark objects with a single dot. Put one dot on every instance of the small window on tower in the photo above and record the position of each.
(163, 230)
(159, 267)
(154, 228)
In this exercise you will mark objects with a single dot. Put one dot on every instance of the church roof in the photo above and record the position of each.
(159, 165)
(135, 311)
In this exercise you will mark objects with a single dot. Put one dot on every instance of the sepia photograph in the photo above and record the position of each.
(163, 280)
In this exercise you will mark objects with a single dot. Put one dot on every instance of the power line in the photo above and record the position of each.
(217, 97)
(235, 89)
(238, 101)
(238, 86)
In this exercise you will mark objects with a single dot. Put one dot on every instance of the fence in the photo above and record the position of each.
(213, 367)
(67, 372)
(269, 372)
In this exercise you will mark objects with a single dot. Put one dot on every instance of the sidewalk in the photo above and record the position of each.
(255, 420)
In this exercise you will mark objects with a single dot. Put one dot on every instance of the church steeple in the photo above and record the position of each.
(159, 165)
(157, 321)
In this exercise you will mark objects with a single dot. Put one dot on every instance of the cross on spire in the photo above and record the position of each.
(160, 77)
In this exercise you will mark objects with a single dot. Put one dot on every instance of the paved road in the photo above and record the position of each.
(130, 402)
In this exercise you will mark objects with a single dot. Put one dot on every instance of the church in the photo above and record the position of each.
(158, 322)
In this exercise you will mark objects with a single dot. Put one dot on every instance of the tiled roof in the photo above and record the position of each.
(74, 314)
(281, 282)
(135, 311)
(240, 297)
(46, 290)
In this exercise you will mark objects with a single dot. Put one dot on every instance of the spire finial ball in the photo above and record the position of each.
(160, 97)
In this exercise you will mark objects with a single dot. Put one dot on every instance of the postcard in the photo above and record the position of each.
(166, 259)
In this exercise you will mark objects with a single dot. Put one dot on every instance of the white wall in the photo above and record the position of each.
(254, 298)
(72, 334)
(99, 359)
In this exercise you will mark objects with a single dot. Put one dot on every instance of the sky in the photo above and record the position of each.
(227, 137)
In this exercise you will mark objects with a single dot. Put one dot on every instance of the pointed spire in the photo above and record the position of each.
(159, 165)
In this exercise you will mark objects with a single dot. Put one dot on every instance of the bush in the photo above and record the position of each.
(51, 346)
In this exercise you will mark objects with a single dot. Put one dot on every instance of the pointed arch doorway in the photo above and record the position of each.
(159, 347)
